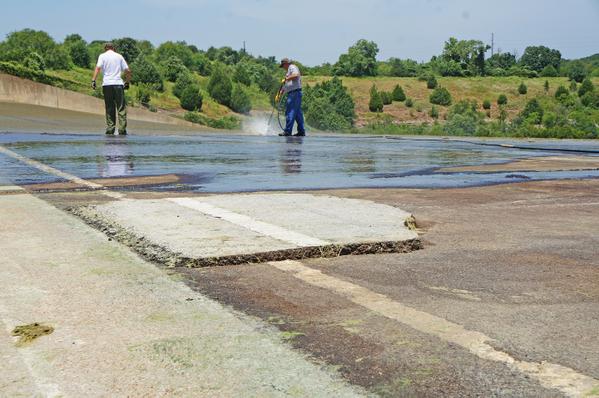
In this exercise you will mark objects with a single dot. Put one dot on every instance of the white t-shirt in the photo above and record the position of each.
(295, 84)
(113, 65)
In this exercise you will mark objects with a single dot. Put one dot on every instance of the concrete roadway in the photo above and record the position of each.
(503, 300)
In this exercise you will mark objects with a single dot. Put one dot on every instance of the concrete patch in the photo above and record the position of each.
(237, 229)
(255, 228)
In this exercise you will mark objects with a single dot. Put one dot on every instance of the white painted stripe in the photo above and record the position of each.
(58, 173)
(568, 381)
(9, 188)
(273, 231)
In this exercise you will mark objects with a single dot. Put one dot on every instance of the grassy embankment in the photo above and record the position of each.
(473, 88)
(165, 101)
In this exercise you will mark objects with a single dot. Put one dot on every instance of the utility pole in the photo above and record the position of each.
(244, 47)
(492, 44)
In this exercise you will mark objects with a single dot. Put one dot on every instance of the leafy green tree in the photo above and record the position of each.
(586, 87)
(172, 67)
(376, 102)
(201, 64)
(178, 49)
(127, 47)
(58, 58)
(533, 108)
(577, 72)
(440, 96)
(243, 73)
(469, 54)
(240, 100)
(329, 106)
(434, 112)
(360, 60)
(220, 86)
(502, 100)
(573, 86)
(184, 80)
(431, 82)
(538, 57)
(35, 61)
(145, 72)
(191, 98)
(446, 67)
(79, 54)
(403, 68)
(549, 71)
(501, 61)
(522, 89)
(398, 94)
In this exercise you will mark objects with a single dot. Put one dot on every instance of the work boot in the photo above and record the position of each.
(284, 134)
(300, 134)
(109, 132)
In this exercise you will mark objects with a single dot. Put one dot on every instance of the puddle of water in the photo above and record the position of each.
(228, 163)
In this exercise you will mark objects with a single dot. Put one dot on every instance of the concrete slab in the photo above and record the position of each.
(232, 229)
(123, 327)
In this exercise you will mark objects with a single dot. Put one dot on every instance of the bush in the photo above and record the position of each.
(409, 102)
(191, 98)
(386, 97)
(549, 119)
(486, 104)
(434, 112)
(329, 106)
(573, 86)
(172, 67)
(143, 94)
(502, 100)
(15, 69)
(34, 61)
(549, 71)
(533, 111)
(240, 100)
(220, 86)
(586, 87)
(243, 74)
(546, 86)
(440, 96)
(183, 80)
(376, 101)
(398, 94)
(463, 119)
(561, 91)
(145, 72)
(522, 89)
(431, 82)
(590, 99)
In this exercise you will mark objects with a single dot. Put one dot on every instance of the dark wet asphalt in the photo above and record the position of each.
(227, 163)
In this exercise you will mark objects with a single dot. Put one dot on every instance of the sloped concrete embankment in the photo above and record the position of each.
(16, 90)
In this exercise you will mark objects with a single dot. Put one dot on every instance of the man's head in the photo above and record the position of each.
(285, 62)
(108, 46)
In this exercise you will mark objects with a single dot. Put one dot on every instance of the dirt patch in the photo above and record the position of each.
(162, 255)
(28, 333)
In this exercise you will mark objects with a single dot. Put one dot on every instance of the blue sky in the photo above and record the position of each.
(316, 31)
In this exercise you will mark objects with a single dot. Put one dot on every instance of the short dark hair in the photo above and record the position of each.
(108, 46)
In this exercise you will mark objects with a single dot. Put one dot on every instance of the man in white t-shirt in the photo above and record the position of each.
(112, 65)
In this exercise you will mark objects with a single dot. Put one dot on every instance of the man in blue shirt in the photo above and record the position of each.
(292, 86)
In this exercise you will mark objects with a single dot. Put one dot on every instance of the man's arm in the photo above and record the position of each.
(128, 75)
(96, 72)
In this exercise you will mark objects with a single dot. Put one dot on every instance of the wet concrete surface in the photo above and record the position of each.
(230, 163)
